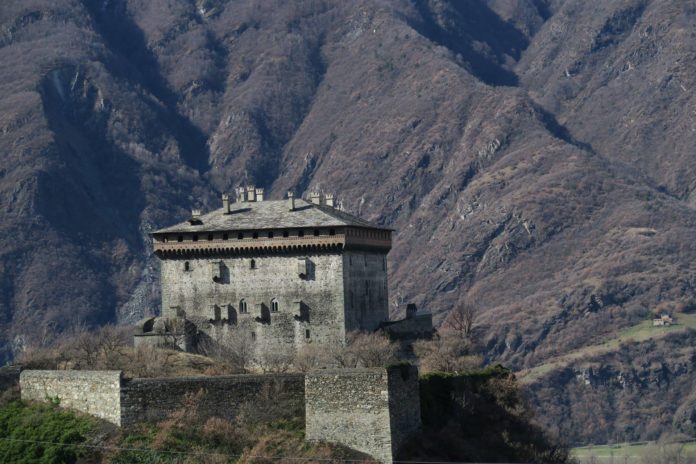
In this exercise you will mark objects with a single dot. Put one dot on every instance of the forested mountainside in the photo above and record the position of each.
(534, 155)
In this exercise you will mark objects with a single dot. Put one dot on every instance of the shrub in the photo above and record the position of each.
(42, 433)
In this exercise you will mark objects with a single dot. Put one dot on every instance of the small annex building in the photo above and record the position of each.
(272, 275)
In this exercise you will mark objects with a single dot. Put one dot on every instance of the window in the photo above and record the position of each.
(270, 234)
(210, 237)
(180, 238)
(300, 233)
(286, 233)
(240, 235)
(274, 305)
(252, 264)
(253, 336)
(187, 266)
(195, 237)
(316, 232)
(243, 306)
(306, 334)
(332, 231)
(225, 236)
(255, 235)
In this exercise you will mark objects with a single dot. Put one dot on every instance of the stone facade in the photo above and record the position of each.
(275, 274)
(105, 394)
(93, 392)
(370, 410)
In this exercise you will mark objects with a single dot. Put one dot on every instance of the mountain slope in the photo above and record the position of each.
(533, 155)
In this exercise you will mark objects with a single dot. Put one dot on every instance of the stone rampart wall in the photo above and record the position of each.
(258, 397)
(93, 392)
(363, 408)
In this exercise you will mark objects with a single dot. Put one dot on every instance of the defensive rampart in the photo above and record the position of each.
(370, 410)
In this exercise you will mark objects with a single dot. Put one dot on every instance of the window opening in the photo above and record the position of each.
(274, 305)
(255, 235)
(286, 233)
(195, 237)
(306, 334)
(252, 264)
(187, 266)
(253, 336)
(242, 306)
(300, 233)
(180, 238)
(270, 234)
(332, 231)
(316, 232)
(210, 237)
(225, 236)
(240, 235)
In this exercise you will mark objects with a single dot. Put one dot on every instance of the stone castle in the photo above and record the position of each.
(275, 275)
(271, 276)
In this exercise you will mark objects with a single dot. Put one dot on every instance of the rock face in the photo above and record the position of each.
(536, 156)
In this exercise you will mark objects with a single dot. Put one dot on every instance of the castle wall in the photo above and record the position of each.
(106, 395)
(93, 392)
(258, 397)
(365, 283)
(370, 410)
(310, 308)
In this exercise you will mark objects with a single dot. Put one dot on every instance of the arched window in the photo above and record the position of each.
(243, 306)
(274, 305)
(187, 266)
(252, 264)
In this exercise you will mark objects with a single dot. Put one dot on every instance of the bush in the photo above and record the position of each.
(42, 433)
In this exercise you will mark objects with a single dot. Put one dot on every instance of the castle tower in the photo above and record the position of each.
(276, 274)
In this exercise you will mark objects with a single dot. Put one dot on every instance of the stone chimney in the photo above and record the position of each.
(251, 193)
(225, 203)
(329, 199)
(259, 194)
(241, 194)
(291, 201)
(315, 198)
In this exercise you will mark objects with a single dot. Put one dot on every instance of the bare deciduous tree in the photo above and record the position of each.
(462, 318)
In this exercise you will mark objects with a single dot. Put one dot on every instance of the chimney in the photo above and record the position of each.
(315, 197)
(225, 203)
(195, 214)
(329, 200)
(241, 194)
(291, 201)
(251, 193)
(259, 194)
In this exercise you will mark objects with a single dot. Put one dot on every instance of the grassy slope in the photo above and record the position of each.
(638, 333)
(626, 449)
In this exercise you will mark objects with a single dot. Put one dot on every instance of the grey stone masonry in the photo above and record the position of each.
(94, 392)
(260, 397)
(370, 410)
(106, 395)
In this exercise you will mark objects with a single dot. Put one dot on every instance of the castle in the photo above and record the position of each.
(275, 275)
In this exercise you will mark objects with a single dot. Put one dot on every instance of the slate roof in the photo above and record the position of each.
(260, 215)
